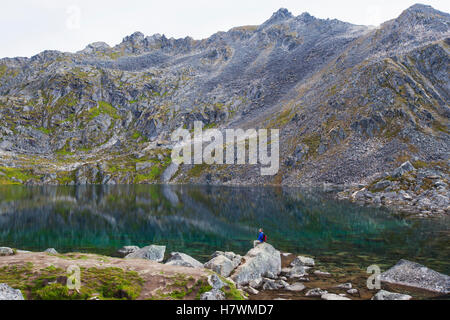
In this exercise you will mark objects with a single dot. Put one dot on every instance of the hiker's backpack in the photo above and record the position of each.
(264, 238)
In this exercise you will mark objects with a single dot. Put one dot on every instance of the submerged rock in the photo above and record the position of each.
(153, 253)
(317, 292)
(183, 260)
(297, 272)
(332, 296)
(303, 261)
(412, 274)
(124, 251)
(8, 293)
(259, 261)
(386, 295)
(296, 287)
(5, 251)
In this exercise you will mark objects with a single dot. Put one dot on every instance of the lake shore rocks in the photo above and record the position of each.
(422, 191)
(411, 274)
(8, 293)
(153, 253)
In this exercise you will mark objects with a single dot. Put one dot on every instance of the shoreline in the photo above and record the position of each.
(283, 276)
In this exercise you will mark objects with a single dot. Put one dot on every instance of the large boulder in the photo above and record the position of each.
(153, 253)
(4, 251)
(412, 274)
(124, 251)
(386, 295)
(260, 261)
(183, 260)
(224, 263)
(8, 293)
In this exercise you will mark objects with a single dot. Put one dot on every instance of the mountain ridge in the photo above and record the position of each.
(352, 102)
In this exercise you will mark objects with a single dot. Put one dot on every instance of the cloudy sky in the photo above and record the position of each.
(28, 27)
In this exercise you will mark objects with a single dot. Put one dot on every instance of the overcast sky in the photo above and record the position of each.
(28, 27)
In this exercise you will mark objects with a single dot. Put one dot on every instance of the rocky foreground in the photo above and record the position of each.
(416, 189)
(263, 273)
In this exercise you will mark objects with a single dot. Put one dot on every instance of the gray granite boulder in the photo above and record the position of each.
(221, 265)
(153, 253)
(183, 260)
(259, 261)
(4, 251)
(412, 274)
(385, 295)
(124, 251)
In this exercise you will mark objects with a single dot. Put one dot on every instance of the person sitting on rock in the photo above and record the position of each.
(261, 238)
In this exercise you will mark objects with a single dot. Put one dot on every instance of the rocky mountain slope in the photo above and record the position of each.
(352, 102)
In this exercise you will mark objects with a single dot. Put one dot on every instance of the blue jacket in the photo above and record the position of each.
(261, 237)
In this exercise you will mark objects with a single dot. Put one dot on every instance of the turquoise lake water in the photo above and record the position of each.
(199, 220)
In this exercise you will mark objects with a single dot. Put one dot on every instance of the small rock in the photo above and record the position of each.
(5, 251)
(215, 282)
(257, 283)
(297, 272)
(152, 253)
(296, 287)
(303, 261)
(345, 286)
(386, 295)
(404, 168)
(251, 290)
(353, 292)
(331, 296)
(213, 295)
(51, 251)
(8, 293)
(124, 251)
(317, 292)
(322, 274)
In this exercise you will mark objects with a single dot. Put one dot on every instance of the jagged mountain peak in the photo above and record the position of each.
(279, 16)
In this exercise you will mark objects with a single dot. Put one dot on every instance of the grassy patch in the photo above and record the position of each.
(103, 108)
(50, 283)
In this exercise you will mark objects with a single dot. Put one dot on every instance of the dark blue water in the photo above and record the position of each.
(199, 220)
